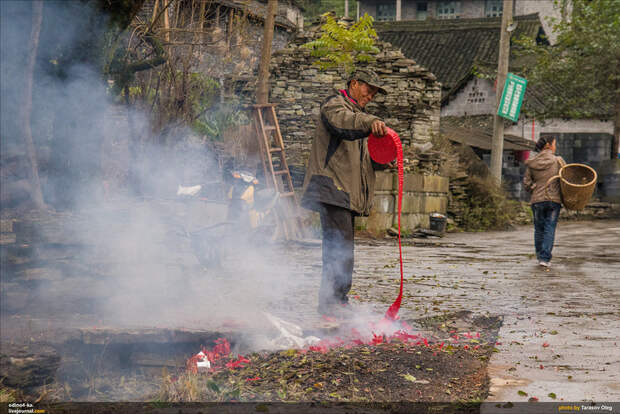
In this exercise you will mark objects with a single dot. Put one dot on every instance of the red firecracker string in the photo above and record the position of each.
(392, 312)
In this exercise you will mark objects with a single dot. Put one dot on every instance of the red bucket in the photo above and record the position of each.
(383, 149)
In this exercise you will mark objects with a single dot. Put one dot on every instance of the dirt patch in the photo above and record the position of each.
(378, 373)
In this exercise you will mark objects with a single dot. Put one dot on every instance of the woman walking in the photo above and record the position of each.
(545, 203)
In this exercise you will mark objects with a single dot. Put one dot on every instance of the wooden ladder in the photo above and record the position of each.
(275, 167)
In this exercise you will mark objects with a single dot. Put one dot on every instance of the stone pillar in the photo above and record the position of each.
(398, 10)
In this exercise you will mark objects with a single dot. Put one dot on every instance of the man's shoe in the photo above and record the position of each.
(338, 311)
(544, 264)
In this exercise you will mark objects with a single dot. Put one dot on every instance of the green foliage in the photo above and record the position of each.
(214, 122)
(583, 66)
(202, 92)
(341, 46)
(488, 207)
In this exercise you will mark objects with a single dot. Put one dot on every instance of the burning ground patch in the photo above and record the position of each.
(381, 373)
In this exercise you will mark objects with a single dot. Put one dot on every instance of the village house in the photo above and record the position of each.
(463, 54)
(422, 10)
(227, 33)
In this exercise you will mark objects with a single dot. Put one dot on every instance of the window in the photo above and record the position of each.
(421, 10)
(448, 9)
(386, 11)
(493, 8)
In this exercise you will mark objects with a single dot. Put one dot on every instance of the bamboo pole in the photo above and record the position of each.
(167, 24)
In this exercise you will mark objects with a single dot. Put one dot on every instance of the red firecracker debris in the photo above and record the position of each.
(240, 362)
(215, 357)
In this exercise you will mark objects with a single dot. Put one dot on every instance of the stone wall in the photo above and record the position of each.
(422, 195)
(411, 108)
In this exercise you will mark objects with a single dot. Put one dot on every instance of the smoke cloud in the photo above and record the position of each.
(120, 259)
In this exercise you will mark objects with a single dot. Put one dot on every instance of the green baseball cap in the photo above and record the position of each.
(370, 77)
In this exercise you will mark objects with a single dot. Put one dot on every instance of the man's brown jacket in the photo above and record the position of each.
(340, 171)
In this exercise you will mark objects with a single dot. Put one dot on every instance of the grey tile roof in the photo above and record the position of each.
(451, 48)
(477, 131)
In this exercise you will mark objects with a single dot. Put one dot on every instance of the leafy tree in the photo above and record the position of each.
(343, 46)
(583, 65)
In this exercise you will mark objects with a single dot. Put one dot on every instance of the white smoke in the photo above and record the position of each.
(129, 259)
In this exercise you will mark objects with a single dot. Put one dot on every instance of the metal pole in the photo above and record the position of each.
(346, 8)
(497, 145)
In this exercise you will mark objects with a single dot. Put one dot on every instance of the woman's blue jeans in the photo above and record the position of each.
(546, 214)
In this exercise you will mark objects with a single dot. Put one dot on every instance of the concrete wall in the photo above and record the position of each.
(422, 195)
(545, 9)
(476, 98)
(524, 127)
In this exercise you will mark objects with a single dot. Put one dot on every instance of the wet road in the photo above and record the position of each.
(561, 326)
(559, 336)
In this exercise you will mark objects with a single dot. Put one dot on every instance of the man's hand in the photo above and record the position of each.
(378, 128)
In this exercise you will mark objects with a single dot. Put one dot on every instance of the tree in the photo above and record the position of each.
(35, 183)
(583, 67)
(262, 89)
(343, 46)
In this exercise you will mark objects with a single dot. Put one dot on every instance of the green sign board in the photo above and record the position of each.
(512, 97)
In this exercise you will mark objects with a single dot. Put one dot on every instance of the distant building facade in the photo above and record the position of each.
(397, 10)
(463, 53)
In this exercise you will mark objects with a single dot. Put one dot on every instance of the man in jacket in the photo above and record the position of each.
(340, 181)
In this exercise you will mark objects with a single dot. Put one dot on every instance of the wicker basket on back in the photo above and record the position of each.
(577, 182)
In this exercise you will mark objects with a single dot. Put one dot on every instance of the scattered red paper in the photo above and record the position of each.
(216, 357)
(377, 339)
(238, 363)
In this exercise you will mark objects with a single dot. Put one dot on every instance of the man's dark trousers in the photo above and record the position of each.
(338, 232)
